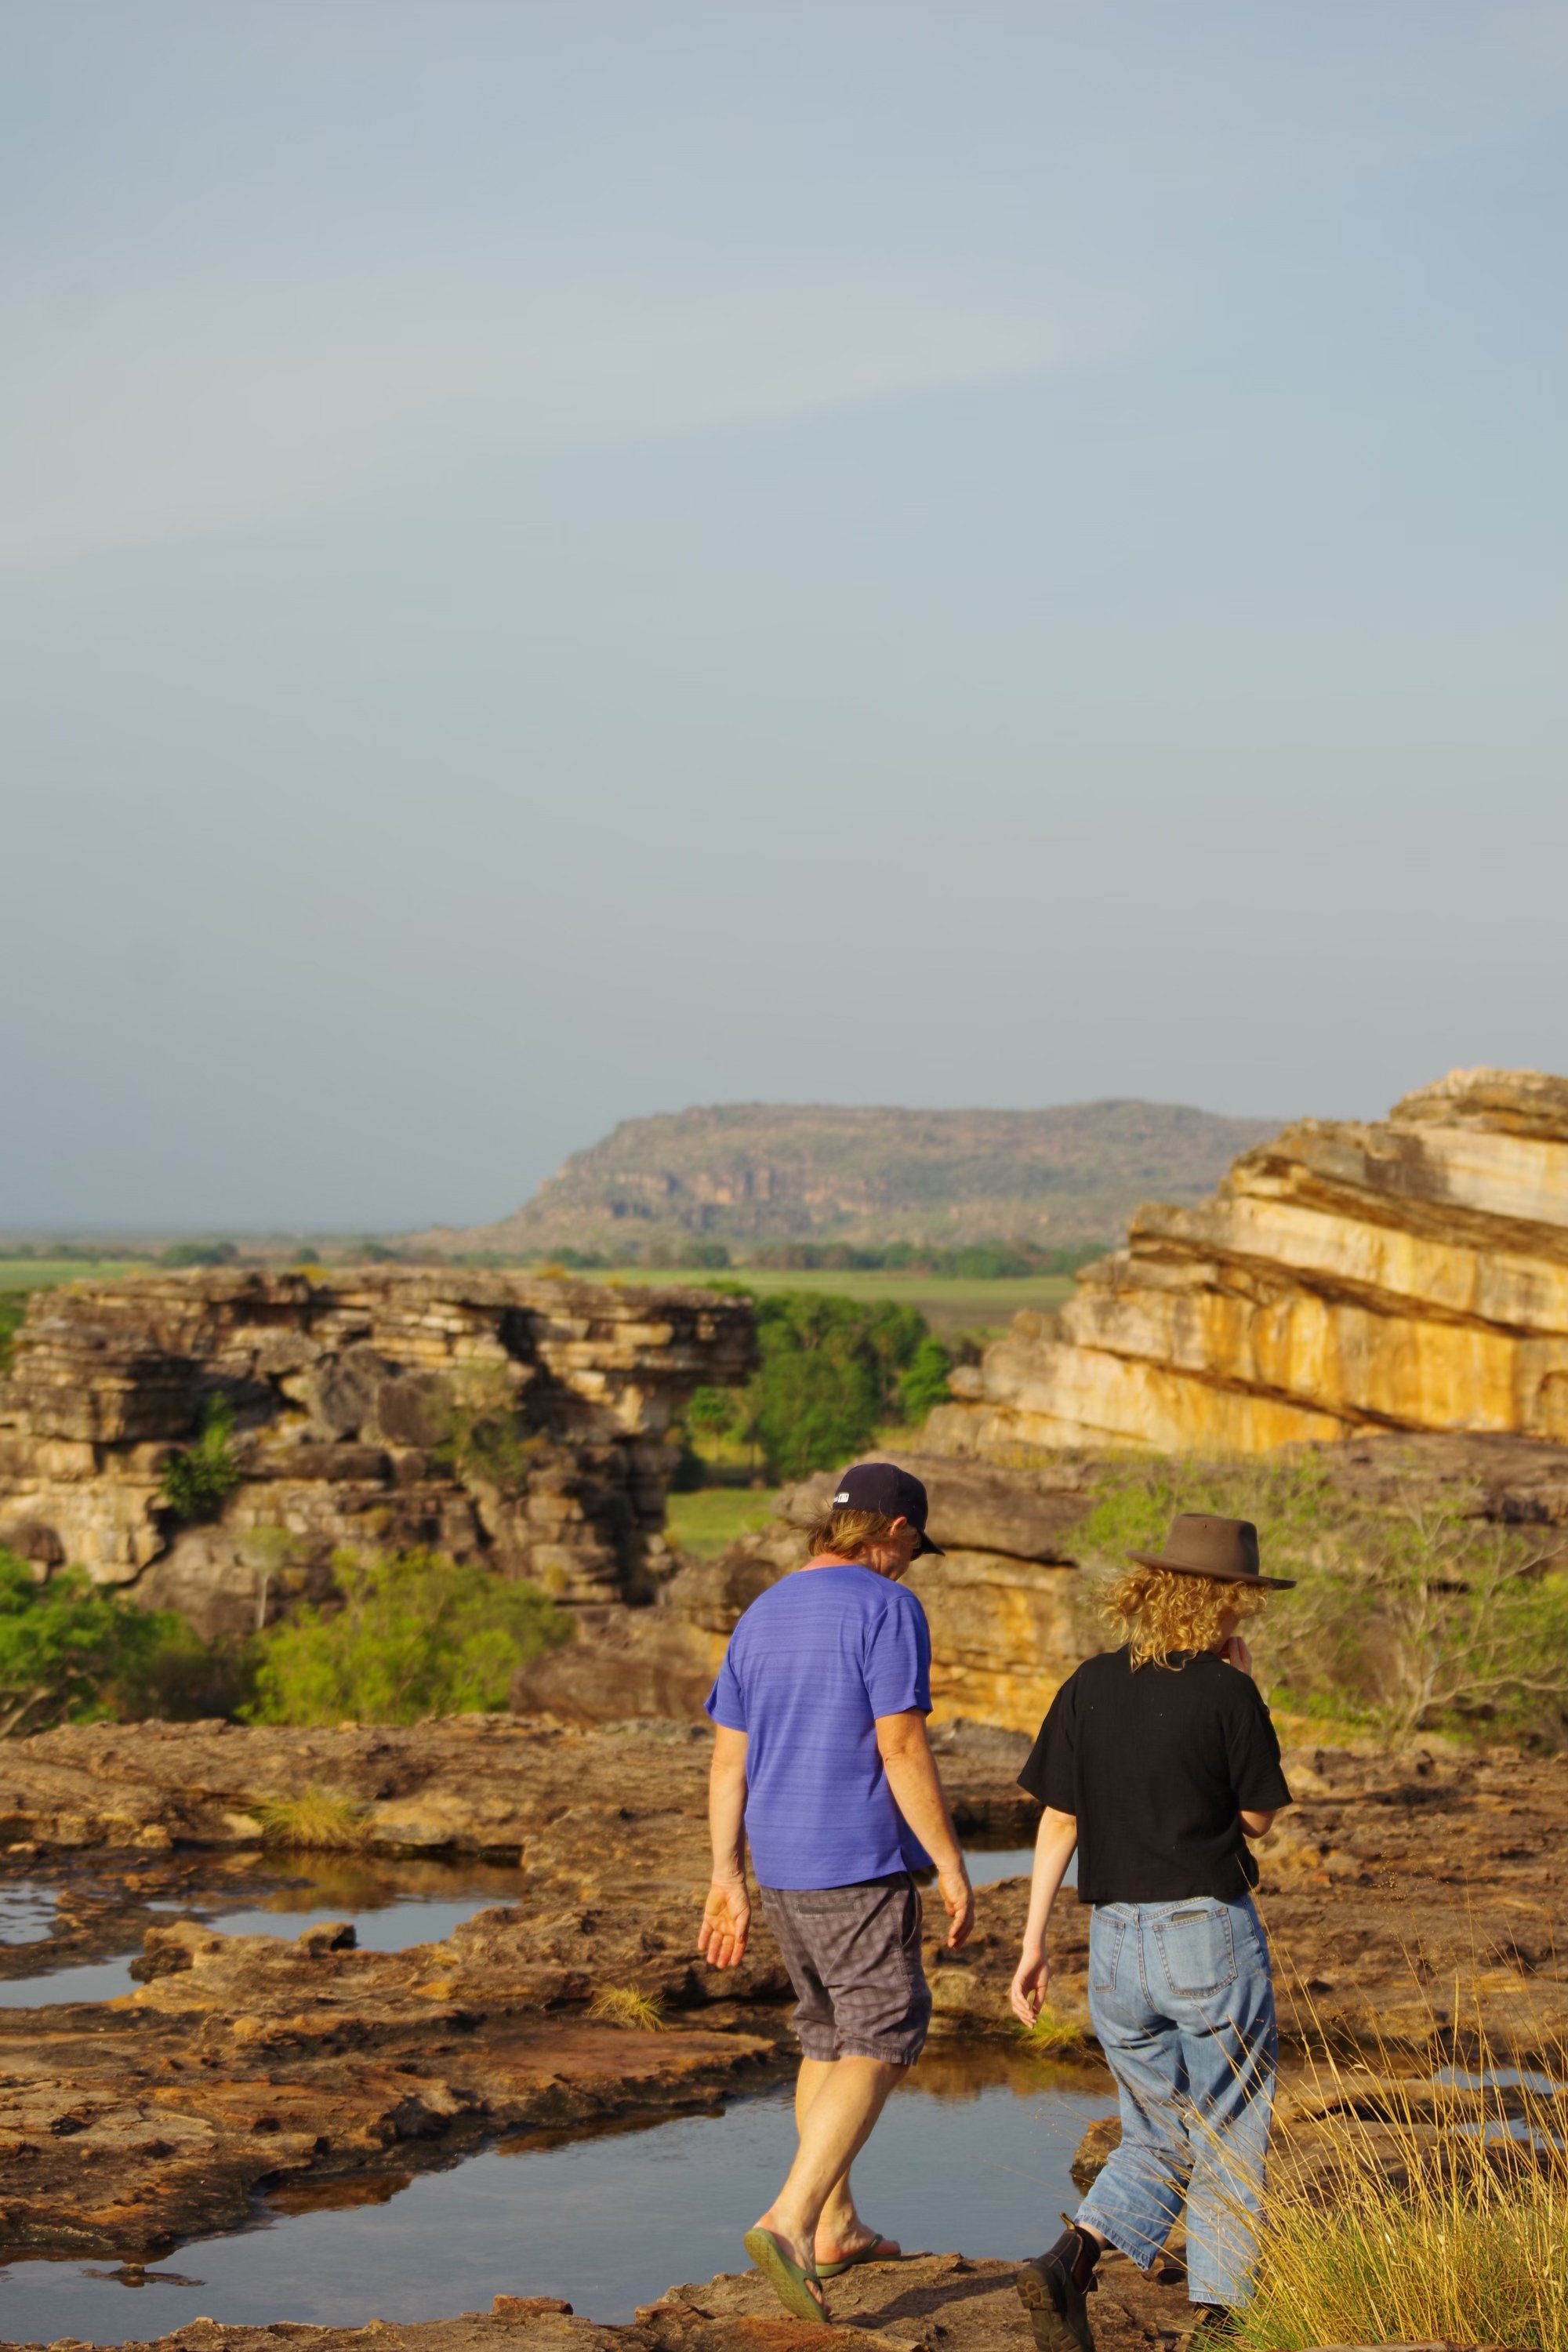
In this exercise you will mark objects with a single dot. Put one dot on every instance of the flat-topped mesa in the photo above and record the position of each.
(1405, 1274)
(510, 1417)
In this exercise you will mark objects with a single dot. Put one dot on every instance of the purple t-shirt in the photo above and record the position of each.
(811, 1666)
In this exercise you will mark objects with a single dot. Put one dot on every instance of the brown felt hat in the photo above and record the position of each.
(1224, 1549)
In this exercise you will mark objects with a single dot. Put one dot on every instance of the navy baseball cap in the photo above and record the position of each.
(895, 1494)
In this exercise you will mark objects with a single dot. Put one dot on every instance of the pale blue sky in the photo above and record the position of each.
(564, 561)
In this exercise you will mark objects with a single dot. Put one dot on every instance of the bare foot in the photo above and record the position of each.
(797, 2248)
(833, 2248)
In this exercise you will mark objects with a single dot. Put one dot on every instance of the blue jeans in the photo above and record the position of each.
(1182, 2001)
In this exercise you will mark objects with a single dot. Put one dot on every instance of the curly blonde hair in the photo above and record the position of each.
(1157, 1613)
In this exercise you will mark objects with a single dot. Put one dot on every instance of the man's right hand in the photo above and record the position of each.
(958, 1901)
(726, 1923)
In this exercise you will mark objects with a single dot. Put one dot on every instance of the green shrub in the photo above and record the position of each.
(12, 1308)
(415, 1635)
(196, 1482)
(1412, 1614)
(180, 1254)
(923, 1381)
(483, 1439)
(75, 1652)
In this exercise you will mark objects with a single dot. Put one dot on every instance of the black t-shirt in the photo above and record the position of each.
(1158, 1765)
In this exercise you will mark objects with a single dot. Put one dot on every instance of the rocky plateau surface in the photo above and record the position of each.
(1404, 1274)
(931, 2303)
(505, 1417)
(1413, 1900)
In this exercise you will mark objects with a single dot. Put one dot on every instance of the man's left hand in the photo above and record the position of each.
(726, 1923)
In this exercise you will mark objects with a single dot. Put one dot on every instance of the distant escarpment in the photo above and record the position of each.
(209, 1439)
(753, 1175)
(1409, 1274)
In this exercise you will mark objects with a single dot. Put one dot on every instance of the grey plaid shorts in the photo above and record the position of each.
(854, 1957)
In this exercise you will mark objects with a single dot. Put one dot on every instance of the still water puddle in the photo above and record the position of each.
(973, 2155)
(392, 1905)
(985, 1869)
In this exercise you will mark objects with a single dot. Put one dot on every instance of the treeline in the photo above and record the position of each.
(972, 1262)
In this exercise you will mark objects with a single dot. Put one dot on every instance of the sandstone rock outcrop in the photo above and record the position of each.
(517, 1419)
(1408, 1274)
(1004, 1614)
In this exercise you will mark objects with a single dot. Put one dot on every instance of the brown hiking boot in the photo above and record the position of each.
(1052, 2288)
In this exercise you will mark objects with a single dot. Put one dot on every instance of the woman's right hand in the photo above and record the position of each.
(1029, 1986)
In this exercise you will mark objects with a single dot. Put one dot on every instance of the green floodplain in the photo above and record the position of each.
(949, 1303)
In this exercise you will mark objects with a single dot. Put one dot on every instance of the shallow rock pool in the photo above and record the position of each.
(972, 2156)
(393, 1904)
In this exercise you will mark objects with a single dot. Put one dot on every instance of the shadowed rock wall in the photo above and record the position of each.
(1006, 1622)
(1410, 1273)
(497, 1416)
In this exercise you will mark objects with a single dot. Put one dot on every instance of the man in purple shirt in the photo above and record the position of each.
(821, 1762)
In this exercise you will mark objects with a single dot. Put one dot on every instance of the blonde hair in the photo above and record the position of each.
(1157, 1612)
(849, 1535)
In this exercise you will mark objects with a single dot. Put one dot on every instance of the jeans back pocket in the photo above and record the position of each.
(1197, 1951)
(1106, 1932)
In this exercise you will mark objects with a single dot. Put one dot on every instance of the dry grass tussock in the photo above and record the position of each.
(1420, 2208)
(1053, 2035)
(626, 2006)
(320, 1818)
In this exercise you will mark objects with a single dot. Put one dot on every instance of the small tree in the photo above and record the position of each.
(415, 1635)
(196, 1482)
(73, 1651)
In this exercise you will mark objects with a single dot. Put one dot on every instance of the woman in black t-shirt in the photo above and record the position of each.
(1156, 1763)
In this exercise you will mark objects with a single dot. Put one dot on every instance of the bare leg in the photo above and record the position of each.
(840, 2228)
(838, 2122)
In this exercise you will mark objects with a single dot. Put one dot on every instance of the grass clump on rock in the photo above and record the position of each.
(1421, 2211)
(411, 1635)
(1053, 2035)
(626, 2006)
(322, 1820)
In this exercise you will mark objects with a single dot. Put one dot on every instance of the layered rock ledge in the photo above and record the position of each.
(1407, 1273)
(516, 1419)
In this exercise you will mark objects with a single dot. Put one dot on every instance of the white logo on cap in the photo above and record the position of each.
(843, 1498)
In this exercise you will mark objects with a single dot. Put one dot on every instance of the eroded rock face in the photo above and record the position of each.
(1005, 1611)
(491, 1415)
(1411, 1274)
